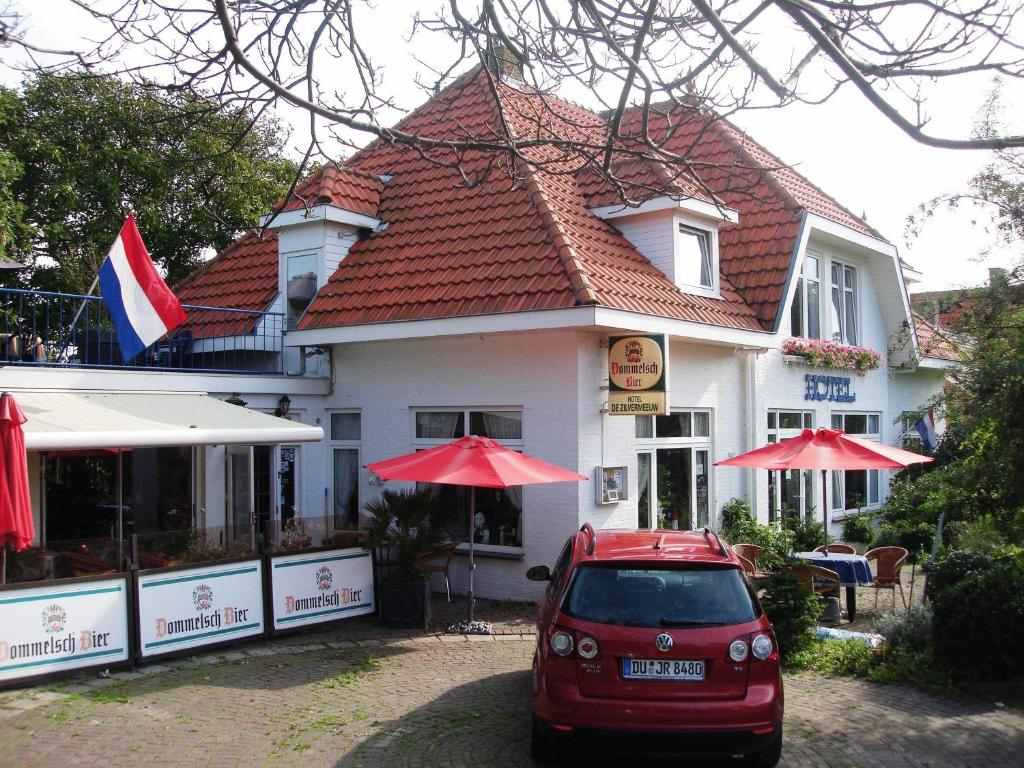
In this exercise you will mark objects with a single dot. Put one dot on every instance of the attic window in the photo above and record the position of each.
(694, 261)
(300, 286)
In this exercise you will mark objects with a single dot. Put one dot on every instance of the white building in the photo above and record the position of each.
(444, 309)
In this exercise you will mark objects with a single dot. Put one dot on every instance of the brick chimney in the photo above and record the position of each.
(503, 63)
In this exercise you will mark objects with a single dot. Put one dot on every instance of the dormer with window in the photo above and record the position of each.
(842, 307)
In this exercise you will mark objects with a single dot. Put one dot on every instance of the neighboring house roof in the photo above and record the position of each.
(242, 276)
(932, 342)
(341, 187)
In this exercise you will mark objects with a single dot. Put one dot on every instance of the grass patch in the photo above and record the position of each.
(108, 697)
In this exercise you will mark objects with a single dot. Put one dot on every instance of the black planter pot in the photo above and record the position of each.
(405, 604)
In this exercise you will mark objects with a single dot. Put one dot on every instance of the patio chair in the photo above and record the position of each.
(437, 561)
(888, 563)
(839, 549)
(816, 580)
(751, 553)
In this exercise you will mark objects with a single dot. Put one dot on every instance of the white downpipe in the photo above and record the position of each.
(750, 417)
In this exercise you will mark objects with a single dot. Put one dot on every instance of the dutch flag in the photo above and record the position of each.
(925, 427)
(141, 305)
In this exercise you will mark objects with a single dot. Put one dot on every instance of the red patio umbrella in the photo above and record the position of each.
(825, 449)
(16, 524)
(473, 461)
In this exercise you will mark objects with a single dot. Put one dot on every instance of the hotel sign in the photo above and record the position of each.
(638, 375)
(321, 586)
(834, 388)
(200, 606)
(57, 628)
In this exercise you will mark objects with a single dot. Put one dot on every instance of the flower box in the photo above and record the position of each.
(819, 353)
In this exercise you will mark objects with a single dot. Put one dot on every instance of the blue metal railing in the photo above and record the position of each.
(41, 328)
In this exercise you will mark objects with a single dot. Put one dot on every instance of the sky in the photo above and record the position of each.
(844, 146)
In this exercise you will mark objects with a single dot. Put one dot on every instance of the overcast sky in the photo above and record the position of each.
(844, 147)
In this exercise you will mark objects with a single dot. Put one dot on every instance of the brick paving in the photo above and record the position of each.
(355, 696)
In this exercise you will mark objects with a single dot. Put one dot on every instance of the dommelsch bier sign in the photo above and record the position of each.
(321, 586)
(638, 375)
(61, 627)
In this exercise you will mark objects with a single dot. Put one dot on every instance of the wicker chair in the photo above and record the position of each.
(751, 553)
(888, 562)
(437, 561)
(839, 549)
(816, 580)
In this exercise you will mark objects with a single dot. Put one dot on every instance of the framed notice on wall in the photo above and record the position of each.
(611, 484)
(638, 375)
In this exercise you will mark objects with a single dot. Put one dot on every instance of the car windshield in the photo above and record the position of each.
(661, 597)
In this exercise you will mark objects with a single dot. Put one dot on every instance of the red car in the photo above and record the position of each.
(654, 642)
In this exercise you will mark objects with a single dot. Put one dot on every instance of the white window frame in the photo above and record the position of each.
(651, 445)
(775, 434)
(800, 297)
(420, 443)
(838, 479)
(841, 334)
(682, 224)
(357, 446)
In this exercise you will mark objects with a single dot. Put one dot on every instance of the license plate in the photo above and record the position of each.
(662, 669)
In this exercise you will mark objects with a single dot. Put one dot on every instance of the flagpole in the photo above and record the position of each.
(78, 314)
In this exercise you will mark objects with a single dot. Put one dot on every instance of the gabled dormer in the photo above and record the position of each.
(679, 237)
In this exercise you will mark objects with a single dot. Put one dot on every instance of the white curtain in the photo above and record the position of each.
(504, 425)
(437, 424)
(346, 494)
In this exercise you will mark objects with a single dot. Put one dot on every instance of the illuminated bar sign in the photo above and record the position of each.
(834, 388)
(638, 375)
(321, 586)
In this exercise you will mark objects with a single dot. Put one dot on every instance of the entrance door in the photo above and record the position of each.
(288, 483)
(673, 488)
(241, 506)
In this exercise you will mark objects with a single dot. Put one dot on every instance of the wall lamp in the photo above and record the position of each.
(283, 405)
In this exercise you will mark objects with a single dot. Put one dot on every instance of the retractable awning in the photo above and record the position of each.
(71, 420)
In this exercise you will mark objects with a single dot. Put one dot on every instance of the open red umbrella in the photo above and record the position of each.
(16, 524)
(825, 449)
(473, 461)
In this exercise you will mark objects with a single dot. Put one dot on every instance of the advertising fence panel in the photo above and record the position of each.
(192, 607)
(62, 626)
(320, 586)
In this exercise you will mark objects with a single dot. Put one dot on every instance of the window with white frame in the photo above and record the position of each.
(498, 512)
(845, 329)
(346, 434)
(673, 469)
(857, 488)
(790, 491)
(695, 258)
(805, 313)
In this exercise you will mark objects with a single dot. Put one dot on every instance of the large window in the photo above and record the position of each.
(498, 512)
(300, 286)
(805, 315)
(857, 488)
(346, 433)
(790, 491)
(673, 470)
(844, 304)
(694, 258)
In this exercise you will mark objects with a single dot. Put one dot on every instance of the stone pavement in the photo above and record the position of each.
(341, 697)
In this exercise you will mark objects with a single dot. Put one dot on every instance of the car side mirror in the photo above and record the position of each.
(539, 573)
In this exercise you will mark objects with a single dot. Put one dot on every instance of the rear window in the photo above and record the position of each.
(661, 597)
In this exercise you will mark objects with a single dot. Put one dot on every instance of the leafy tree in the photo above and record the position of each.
(91, 148)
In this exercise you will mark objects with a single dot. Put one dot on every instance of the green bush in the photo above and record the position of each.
(980, 535)
(737, 516)
(913, 537)
(835, 657)
(910, 630)
(808, 533)
(792, 612)
(979, 620)
(953, 567)
(859, 528)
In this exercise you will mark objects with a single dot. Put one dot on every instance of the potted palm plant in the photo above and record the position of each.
(403, 528)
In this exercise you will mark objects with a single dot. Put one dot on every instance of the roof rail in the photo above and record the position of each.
(588, 528)
(721, 547)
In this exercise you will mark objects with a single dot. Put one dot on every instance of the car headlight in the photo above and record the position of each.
(737, 650)
(762, 647)
(561, 643)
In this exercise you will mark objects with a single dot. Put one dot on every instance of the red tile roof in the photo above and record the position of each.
(242, 276)
(932, 342)
(341, 187)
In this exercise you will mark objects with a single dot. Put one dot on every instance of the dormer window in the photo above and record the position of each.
(805, 315)
(695, 264)
(300, 286)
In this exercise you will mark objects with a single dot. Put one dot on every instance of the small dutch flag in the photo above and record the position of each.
(141, 305)
(925, 427)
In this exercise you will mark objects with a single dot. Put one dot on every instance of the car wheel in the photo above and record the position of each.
(541, 749)
(769, 756)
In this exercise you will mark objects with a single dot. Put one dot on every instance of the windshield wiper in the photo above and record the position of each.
(670, 623)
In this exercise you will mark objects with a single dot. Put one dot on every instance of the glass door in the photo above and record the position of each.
(241, 509)
(674, 486)
(288, 483)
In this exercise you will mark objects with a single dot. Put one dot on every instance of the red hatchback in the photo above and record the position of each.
(654, 642)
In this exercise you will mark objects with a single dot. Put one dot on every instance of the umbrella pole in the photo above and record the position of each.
(472, 565)
(3, 566)
(824, 505)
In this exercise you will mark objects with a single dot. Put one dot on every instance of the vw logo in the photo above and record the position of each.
(663, 642)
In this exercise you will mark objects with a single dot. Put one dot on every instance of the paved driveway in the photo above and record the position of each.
(428, 701)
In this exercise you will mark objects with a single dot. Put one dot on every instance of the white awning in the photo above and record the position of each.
(72, 420)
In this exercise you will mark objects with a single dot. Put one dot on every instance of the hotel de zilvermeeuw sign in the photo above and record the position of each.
(638, 375)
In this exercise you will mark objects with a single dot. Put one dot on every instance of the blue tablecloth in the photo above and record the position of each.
(852, 569)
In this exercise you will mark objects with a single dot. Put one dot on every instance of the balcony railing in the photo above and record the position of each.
(40, 328)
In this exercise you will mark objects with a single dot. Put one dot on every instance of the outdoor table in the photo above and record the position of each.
(852, 570)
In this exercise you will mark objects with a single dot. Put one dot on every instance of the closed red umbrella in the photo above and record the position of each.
(16, 526)
(825, 449)
(472, 461)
